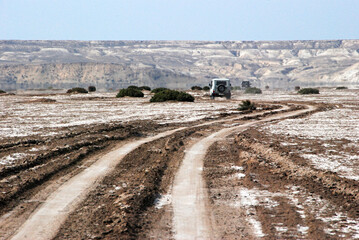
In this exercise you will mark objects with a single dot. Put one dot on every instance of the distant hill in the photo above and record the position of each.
(177, 64)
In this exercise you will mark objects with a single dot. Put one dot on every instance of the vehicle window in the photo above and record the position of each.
(221, 83)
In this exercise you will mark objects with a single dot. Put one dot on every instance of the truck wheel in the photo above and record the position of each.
(221, 88)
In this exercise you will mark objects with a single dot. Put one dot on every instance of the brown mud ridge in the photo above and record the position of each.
(329, 185)
(124, 202)
(293, 200)
(52, 155)
(122, 206)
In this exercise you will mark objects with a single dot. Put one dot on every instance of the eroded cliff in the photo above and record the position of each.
(177, 64)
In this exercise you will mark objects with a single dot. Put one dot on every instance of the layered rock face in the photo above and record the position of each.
(177, 64)
(103, 76)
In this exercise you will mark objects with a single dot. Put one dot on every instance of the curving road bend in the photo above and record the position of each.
(191, 220)
(47, 219)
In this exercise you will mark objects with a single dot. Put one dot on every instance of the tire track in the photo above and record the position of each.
(191, 219)
(47, 219)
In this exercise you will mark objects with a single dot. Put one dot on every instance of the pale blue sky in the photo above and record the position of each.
(179, 20)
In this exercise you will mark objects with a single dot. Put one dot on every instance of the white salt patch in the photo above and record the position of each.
(254, 197)
(239, 175)
(338, 223)
(238, 168)
(327, 145)
(248, 197)
(281, 229)
(344, 165)
(288, 144)
(257, 227)
(302, 229)
(356, 178)
(10, 159)
(24, 119)
(162, 201)
(329, 231)
(328, 125)
(34, 149)
(269, 202)
(301, 213)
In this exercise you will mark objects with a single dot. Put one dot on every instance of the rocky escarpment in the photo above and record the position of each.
(102, 75)
(177, 64)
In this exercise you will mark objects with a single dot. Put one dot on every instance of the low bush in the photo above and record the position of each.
(2, 91)
(77, 90)
(92, 89)
(253, 90)
(156, 90)
(171, 95)
(129, 92)
(134, 87)
(145, 88)
(196, 88)
(246, 105)
(185, 97)
(296, 88)
(308, 91)
(341, 88)
(206, 88)
(236, 88)
(164, 95)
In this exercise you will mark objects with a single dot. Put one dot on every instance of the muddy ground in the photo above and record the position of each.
(260, 188)
(292, 199)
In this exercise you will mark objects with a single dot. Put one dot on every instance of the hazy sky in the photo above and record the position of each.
(179, 19)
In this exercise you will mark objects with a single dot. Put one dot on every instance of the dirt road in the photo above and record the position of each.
(190, 201)
(148, 172)
(45, 222)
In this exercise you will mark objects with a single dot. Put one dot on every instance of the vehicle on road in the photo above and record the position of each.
(220, 87)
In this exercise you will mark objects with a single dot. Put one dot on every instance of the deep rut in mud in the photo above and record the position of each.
(257, 191)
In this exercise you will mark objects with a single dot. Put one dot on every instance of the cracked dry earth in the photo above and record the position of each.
(252, 187)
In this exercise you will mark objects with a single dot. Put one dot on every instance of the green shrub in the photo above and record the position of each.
(171, 95)
(77, 90)
(92, 89)
(246, 105)
(236, 88)
(308, 91)
(145, 88)
(206, 88)
(129, 92)
(253, 90)
(156, 90)
(2, 91)
(196, 88)
(341, 88)
(164, 95)
(185, 97)
(134, 87)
